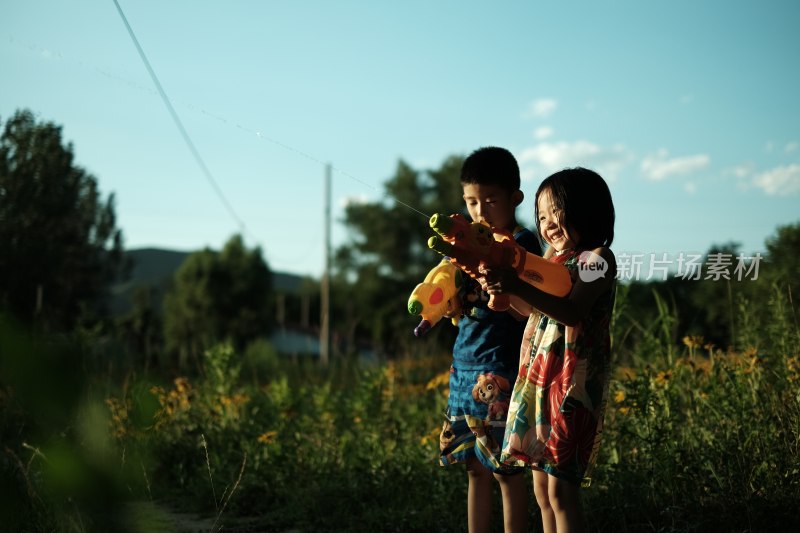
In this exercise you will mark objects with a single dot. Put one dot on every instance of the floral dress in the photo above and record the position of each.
(556, 409)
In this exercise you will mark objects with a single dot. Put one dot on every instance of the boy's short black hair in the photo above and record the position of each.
(585, 200)
(491, 165)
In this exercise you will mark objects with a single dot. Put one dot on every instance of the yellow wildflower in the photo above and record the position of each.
(119, 416)
(750, 352)
(438, 380)
(431, 436)
(390, 371)
(182, 384)
(663, 378)
(625, 372)
(793, 369)
(267, 437)
(693, 341)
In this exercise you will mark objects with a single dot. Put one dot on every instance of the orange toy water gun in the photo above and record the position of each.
(437, 297)
(470, 245)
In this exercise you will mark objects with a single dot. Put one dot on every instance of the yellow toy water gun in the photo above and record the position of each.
(470, 245)
(436, 297)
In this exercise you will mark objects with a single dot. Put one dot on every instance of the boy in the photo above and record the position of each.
(486, 355)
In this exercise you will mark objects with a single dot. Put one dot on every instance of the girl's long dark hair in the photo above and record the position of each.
(583, 197)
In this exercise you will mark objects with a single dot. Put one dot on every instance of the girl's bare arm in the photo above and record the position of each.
(568, 310)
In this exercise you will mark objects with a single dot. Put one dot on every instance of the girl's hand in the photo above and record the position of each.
(500, 280)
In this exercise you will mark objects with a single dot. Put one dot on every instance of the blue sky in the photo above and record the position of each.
(689, 109)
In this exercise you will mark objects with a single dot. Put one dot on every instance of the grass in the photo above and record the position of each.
(697, 438)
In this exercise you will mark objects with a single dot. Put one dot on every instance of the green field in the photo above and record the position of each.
(697, 438)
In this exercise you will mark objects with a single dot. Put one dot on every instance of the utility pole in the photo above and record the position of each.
(325, 287)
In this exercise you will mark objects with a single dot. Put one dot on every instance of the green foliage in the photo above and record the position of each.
(222, 368)
(141, 328)
(59, 469)
(713, 435)
(218, 296)
(346, 441)
(61, 247)
(784, 253)
(706, 441)
(388, 255)
(726, 312)
(643, 323)
(261, 361)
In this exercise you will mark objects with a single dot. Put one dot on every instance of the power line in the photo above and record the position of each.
(258, 133)
(196, 154)
(176, 119)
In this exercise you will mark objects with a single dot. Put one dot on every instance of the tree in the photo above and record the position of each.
(142, 326)
(783, 251)
(218, 296)
(387, 254)
(776, 293)
(61, 246)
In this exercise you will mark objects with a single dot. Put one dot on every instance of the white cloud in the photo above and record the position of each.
(544, 158)
(356, 199)
(792, 147)
(781, 181)
(659, 166)
(690, 187)
(543, 133)
(687, 99)
(542, 107)
(743, 170)
(560, 154)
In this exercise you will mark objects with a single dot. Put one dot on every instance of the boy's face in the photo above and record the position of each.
(492, 204)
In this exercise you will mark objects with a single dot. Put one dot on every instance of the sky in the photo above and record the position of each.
(689, 109)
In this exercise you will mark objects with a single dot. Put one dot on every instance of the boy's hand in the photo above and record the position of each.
(500, 280)
(465, 268)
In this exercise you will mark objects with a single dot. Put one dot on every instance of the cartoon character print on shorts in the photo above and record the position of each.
(494, 391)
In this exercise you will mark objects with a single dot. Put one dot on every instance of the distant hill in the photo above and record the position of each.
(156, 267)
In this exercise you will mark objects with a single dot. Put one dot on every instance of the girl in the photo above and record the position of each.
(556, 411)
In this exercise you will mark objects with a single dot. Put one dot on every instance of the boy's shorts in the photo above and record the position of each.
(467, 435)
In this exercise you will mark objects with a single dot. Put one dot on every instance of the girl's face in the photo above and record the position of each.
(552, 225)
